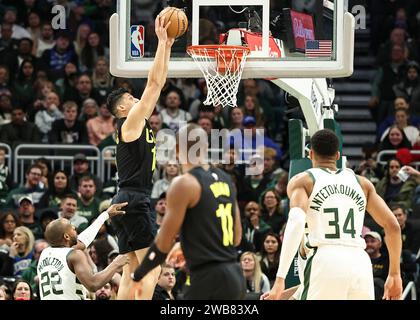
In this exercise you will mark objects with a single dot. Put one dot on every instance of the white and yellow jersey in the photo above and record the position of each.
(56, 280)
(336, 209)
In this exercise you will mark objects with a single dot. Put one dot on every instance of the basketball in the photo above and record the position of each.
(179, 21)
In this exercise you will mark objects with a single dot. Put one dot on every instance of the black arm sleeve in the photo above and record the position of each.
(153, 258)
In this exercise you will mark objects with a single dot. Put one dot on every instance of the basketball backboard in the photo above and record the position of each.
(288, 39)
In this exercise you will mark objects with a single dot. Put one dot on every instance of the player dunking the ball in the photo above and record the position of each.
(333, 203)
(201, 205)
(136, 161)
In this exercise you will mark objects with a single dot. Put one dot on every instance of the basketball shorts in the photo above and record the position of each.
(217, 281)
(338, 273)
(137, 228)
(301, 264)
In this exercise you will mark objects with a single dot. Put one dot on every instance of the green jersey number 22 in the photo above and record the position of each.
(50, 282)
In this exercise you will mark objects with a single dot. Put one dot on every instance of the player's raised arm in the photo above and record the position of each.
(293, 234)
(382, 215)
(142, 110)
(87, 236)
(168, 49)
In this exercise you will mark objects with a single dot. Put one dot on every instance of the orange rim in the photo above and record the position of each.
(210, 50)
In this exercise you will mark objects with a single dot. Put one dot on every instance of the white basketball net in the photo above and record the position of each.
(222, 67)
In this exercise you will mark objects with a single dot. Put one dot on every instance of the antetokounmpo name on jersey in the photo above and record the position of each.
(50, 261)
(329, 190)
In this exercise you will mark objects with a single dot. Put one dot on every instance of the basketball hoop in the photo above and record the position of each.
(222, 67)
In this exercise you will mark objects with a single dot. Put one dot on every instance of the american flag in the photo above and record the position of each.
(318, 48)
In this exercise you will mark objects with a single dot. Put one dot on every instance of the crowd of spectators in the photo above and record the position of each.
(53, 88)
(395, 108)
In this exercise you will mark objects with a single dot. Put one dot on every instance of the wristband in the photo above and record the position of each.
(153, 258)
